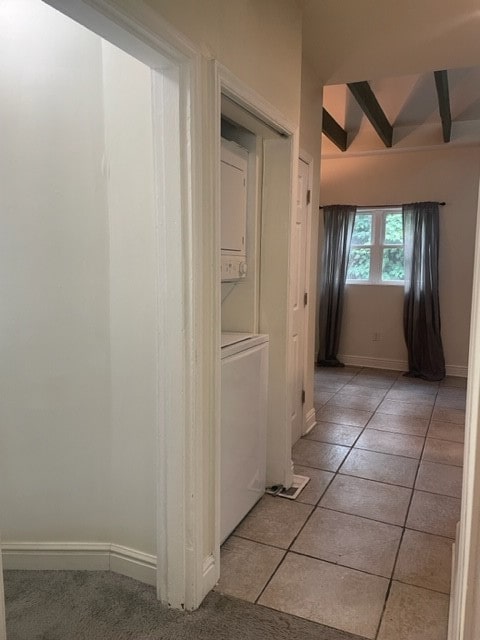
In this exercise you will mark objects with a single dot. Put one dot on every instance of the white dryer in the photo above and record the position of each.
(243, 426)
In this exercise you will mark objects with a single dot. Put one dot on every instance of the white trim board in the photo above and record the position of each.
(457, 370)
(310, 421)
(76, 556)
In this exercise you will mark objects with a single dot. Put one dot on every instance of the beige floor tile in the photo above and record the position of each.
(350, 541)
(440, 478)
(418, 382)
(334, 433)
(406, 395)
(403, 384)
(446, 431)
(449, 415)
(448, 402)
(399, 424)
(274, 521)
(321, 397)
(434, 514)
(379, 373)
(329, 594)
(375, 382)
(246, 567)
(425, 561)
(452, 392)
(343, 415)
(410, 409)
(320, 455)
(349, 401)
(454, 381)
(319, 481)
(443, 451)
(413, 613)
(327, 386)
(369, 499)
(397, 444)
(364, 392)
(381, 467)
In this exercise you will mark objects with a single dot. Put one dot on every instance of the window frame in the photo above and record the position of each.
(379, 218)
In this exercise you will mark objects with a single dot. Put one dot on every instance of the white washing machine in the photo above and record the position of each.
(243, 426)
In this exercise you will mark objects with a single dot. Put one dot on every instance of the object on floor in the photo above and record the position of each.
(299, 483)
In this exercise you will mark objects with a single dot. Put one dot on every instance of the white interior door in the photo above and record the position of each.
(3, 630)
(298, 299)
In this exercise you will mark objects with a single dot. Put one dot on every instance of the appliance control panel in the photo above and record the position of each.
(233, 268)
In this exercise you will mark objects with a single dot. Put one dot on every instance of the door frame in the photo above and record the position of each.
(186, 564)
(280, 166)
(308, 415)
(464, 623)
(187, 95)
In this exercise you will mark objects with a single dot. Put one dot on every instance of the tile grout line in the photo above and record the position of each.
(387, 595)
(351, 381)
(304, 524)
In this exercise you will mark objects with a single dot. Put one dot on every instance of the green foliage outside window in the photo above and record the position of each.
(359, 264)
(393, 264)
(392, 257)
(362, 230)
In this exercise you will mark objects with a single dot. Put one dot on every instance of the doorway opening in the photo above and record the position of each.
(101, 274)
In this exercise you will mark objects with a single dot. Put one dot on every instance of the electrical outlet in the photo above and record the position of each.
(377, 336)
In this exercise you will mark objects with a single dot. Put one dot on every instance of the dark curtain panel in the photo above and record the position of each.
(421, 311)
(339, 220)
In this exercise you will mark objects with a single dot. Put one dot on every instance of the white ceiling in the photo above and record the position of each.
(355, 40)
(396, 45)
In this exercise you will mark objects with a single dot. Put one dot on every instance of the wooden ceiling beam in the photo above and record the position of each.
(334, 131)
(441, 82)
(367, 101)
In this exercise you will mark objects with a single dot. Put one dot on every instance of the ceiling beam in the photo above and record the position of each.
(365, 97)
(334, 131)
(441, 82)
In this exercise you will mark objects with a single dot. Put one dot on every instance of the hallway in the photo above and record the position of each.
(366, 547)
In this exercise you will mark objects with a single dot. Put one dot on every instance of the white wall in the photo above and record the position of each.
(260, 42)
(55, 409)
(449, 175)
(133, 346)
(78, 283)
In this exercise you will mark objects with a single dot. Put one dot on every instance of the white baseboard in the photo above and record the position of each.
(134, 564)
(80, 556)
(210, 573)
(395, 365)
(374, 363)
(457, 370)
(310, 421)
(56, 555)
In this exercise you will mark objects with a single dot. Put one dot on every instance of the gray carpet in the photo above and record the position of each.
(99, 605)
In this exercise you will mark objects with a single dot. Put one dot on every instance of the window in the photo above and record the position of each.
(376, 253)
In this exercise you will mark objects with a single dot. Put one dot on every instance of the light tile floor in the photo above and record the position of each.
(366, 547)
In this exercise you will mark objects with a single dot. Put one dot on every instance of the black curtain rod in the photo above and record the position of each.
(379, 206)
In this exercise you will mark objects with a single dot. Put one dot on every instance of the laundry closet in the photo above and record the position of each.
(249, 462)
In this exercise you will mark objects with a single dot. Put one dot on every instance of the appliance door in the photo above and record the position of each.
(243, 434)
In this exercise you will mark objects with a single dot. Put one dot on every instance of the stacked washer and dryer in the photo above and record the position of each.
(244, 363)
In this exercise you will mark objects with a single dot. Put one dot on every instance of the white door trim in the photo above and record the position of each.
(186, 349)
(309, 420)
(278, 234)
(464, 611)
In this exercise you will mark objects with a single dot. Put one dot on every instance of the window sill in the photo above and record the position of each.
(374, 284)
